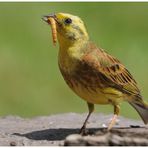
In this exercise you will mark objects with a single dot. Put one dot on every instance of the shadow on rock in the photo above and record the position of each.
(62, 133)
(52, 134)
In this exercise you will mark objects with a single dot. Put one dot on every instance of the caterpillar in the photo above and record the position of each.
(53, 29)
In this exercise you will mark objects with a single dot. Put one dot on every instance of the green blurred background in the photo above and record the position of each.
(30, 81)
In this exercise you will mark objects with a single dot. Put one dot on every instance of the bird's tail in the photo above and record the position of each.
(142, 108)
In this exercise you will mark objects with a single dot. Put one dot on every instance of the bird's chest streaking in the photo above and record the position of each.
(85, 81)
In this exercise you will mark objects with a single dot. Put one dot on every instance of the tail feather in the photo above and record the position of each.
(142, 108)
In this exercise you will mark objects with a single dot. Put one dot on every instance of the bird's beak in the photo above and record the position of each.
(46, 17)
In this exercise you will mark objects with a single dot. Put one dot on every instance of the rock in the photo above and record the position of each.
(116, 137)
(52, 131)
(74, 139)
(13, 143)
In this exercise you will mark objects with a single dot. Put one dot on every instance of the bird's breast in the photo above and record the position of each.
(86, 88)
(85, 81)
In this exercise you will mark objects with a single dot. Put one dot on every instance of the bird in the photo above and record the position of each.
(93, 74)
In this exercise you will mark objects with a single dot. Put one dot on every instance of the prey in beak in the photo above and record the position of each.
(46, 17)
(51, 20)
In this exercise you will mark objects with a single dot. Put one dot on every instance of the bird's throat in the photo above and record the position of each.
(70, 55)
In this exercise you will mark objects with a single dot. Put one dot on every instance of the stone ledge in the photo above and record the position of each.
(132, 136)
(52, 131)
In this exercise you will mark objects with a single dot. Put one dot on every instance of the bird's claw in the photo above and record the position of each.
(83, 131)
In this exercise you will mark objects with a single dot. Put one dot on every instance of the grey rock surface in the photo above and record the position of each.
(52, 130)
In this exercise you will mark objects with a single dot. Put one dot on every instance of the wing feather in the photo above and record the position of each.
(111, 71)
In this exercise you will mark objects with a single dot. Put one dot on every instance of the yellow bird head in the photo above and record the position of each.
(69, 28)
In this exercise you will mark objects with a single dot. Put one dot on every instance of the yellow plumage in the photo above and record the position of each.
(90, 72)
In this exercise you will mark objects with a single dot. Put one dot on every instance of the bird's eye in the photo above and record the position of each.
(68, 21)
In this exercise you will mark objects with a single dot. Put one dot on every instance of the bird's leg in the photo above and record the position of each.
(116, 113)
(91, 109)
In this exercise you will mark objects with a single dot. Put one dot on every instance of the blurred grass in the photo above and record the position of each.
(30, 82)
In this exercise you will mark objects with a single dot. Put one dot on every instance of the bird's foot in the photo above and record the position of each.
(83, 131)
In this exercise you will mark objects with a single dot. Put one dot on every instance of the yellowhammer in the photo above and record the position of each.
(90, 72)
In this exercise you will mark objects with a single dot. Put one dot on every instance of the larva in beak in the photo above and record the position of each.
(52, 23)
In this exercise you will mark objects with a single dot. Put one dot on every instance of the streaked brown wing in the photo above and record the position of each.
(111, 72)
